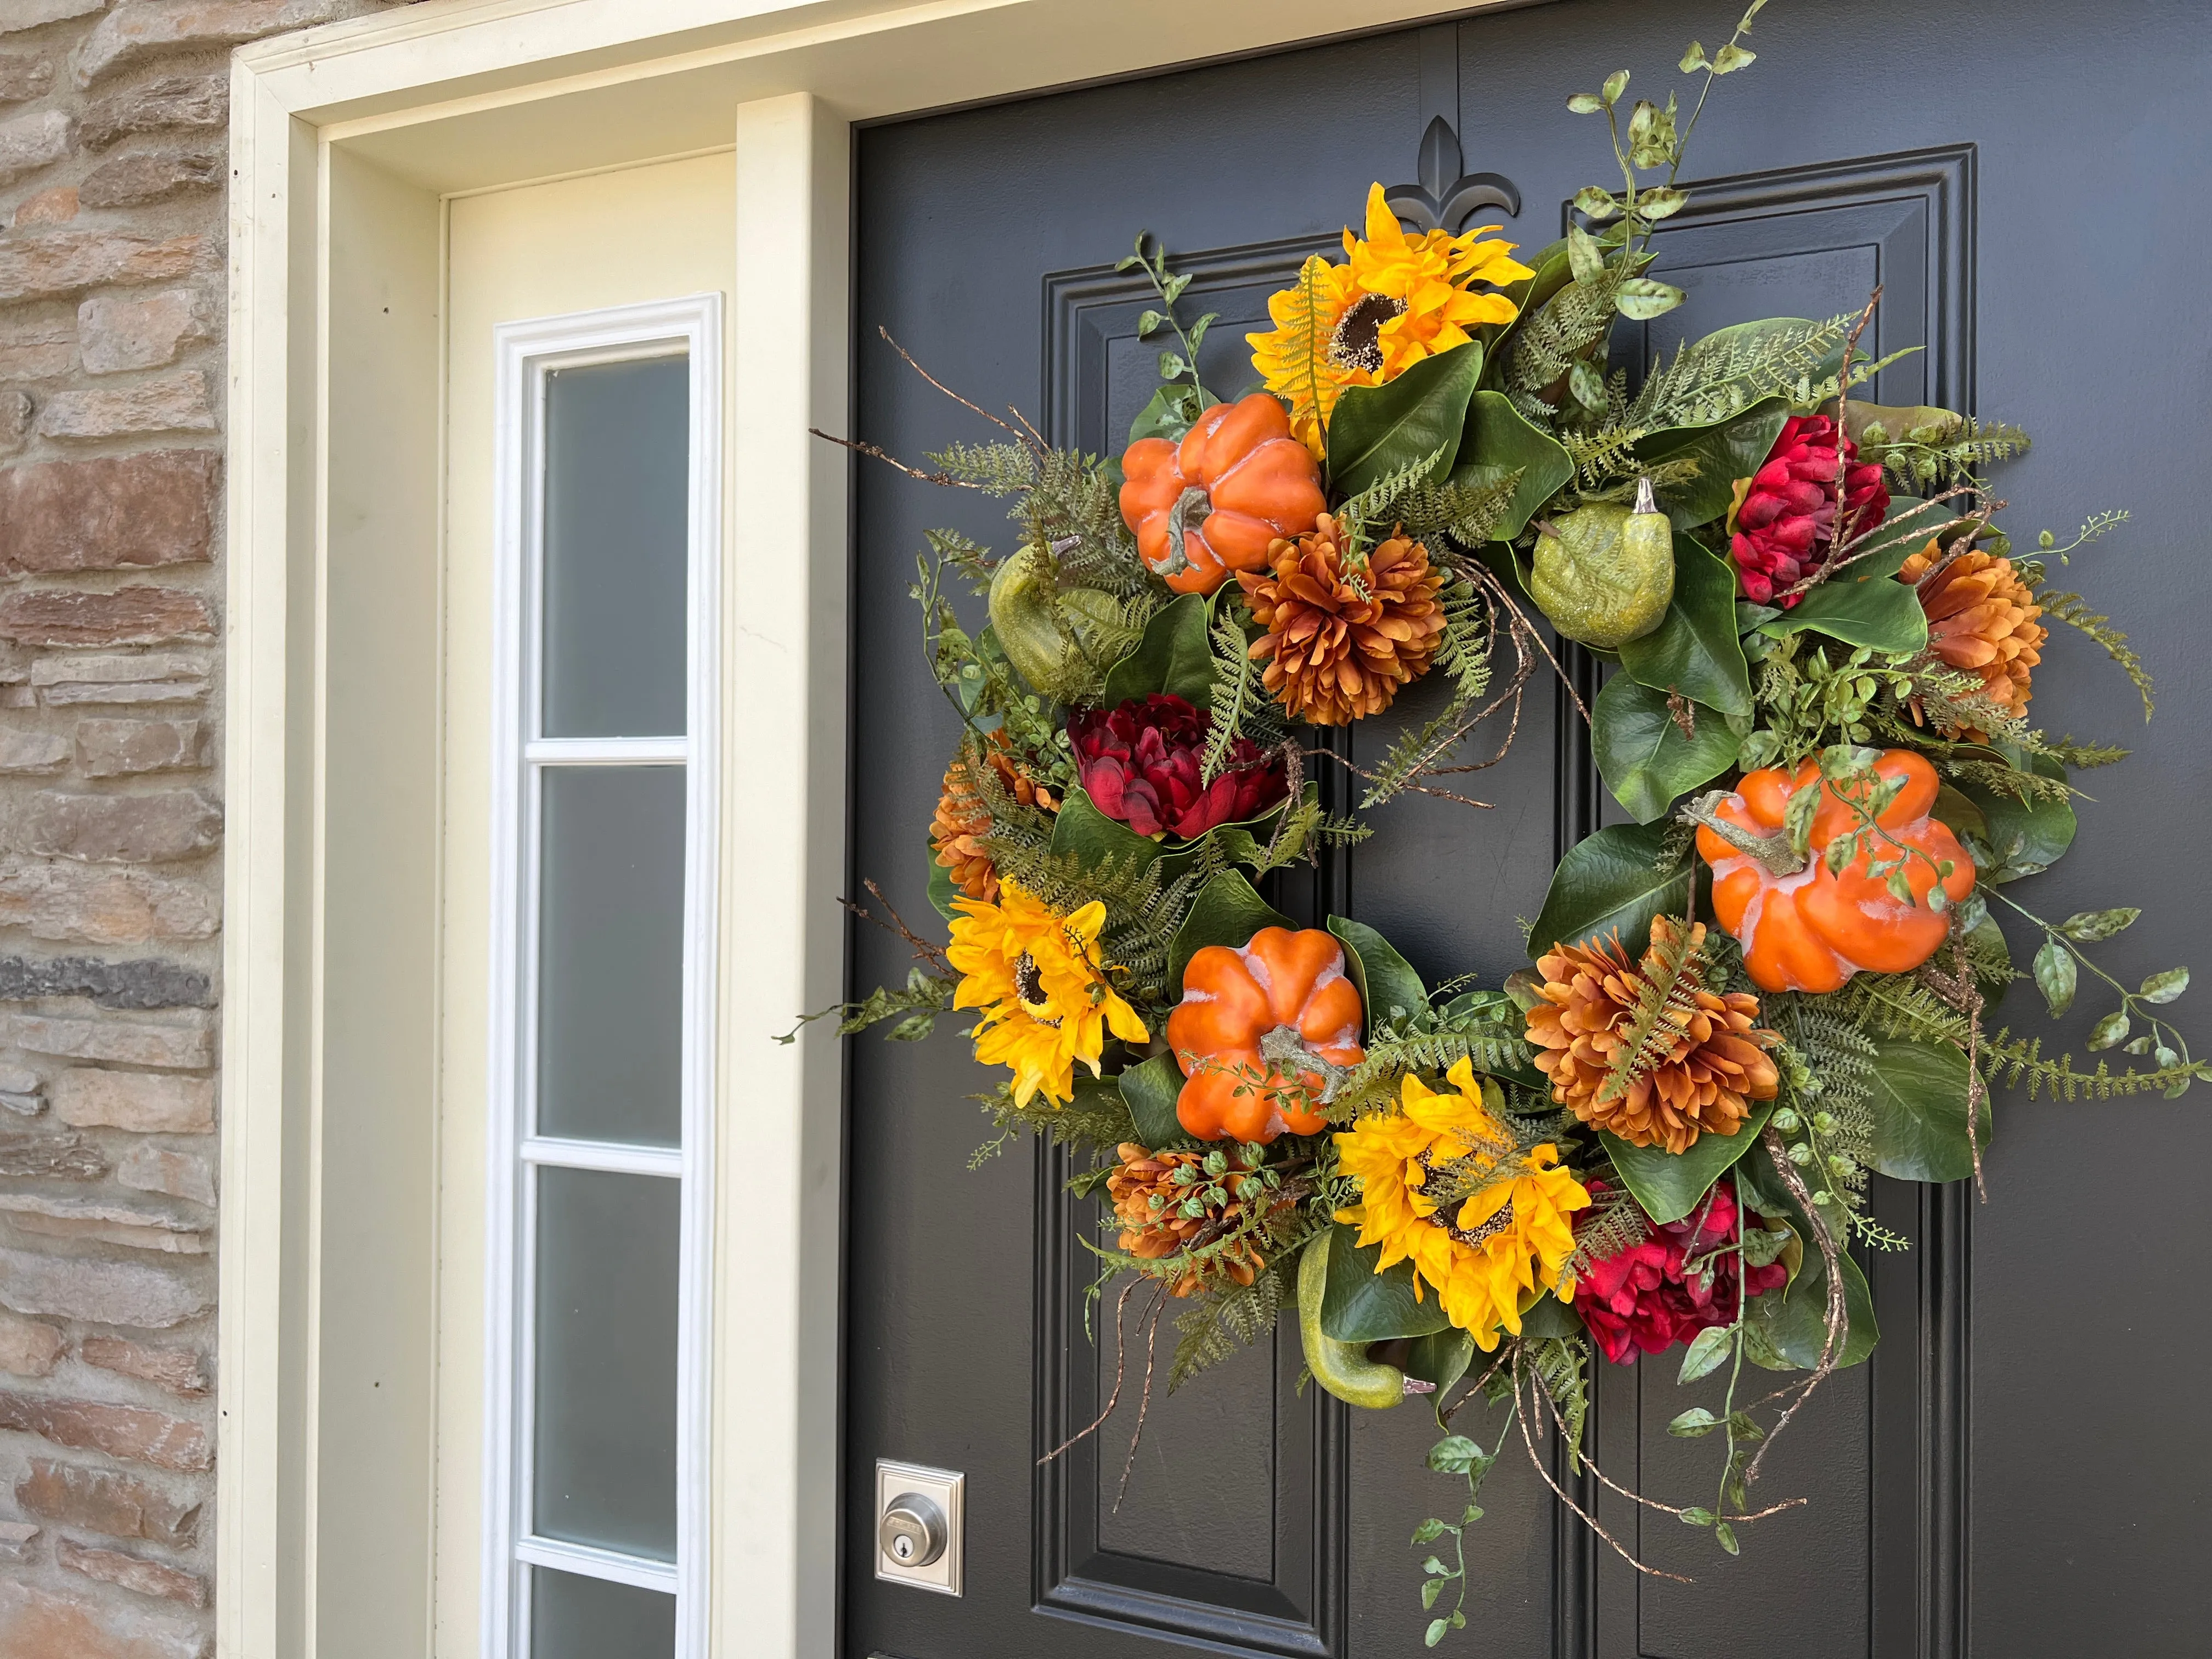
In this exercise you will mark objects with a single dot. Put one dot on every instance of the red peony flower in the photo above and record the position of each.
(1788, 515)
(1139, 762)
(1642, 1298)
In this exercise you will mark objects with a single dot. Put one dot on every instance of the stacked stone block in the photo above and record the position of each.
(113, 157)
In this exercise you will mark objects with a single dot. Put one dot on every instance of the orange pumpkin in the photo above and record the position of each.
(1232, 1001)
(1235, 482)
(1812, 929)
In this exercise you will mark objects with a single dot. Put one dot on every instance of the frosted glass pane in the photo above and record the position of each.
(618, 465)
(577, 1618)
(611, 954)
(605, 1428)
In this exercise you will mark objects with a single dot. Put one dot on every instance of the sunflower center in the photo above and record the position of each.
(1356, 342)
(1449, 1199)
(1028, 986)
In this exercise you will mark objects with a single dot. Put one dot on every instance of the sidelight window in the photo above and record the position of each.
(609, 469)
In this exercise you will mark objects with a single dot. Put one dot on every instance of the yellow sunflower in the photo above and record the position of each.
(1508, 1236)
(1046, 999)
(1397, 300)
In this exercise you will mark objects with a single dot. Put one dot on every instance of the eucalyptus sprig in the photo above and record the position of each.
(2058, 960)
(1152, 257)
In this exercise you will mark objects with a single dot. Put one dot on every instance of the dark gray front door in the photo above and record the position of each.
(2021, 1469)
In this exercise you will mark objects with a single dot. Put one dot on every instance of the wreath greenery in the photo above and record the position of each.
(1779, 977)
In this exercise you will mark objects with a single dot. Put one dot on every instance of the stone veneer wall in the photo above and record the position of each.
(113, 161)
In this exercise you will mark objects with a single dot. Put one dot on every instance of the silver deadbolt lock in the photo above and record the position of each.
(913, 1531)
(920, 1515)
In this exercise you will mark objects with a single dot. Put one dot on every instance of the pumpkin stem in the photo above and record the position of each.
(1192, 501)
(1285, 1050)
(1772, 850)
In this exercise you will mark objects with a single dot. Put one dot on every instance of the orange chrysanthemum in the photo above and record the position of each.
(1698, 1064)
(1981, 619)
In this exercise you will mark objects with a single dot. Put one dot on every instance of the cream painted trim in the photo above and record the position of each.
(460, 95)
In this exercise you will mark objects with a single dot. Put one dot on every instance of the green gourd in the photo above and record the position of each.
(1342, 1368)
(1042, 627)
(1604, 574)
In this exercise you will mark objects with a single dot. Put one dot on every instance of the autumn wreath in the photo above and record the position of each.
(1778, 978)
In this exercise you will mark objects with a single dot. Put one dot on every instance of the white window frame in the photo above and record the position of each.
(527, 353)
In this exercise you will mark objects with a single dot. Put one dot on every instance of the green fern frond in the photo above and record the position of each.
(2074, 611)
(1236, 689)
(1468, 513)
(1666, 1001)
(1718, 377)
(1001, 469)
(1221, 1323)
(1379, 500)
(1560, 334)
(1605, 452)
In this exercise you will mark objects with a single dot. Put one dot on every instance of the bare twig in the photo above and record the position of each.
(1145, 1400)
(1837, 1312)
(923, 949)
(889, 459)
(1836, 525)
(1590, 1463)
(1560, 1492)
(1027, 439)
(1120, 1370)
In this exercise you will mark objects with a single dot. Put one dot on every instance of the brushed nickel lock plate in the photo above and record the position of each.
(920, 1526)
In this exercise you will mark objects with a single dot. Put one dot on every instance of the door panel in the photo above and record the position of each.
(1258, 1521)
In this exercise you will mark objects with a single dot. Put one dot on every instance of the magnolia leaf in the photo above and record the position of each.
(1170, 414)
(1378, 430)
(1499, 442)
(1722, 452)
(1611, 882)
(1694, 650)
(1359, 1304)
(1706, 1354)
(1174, 656)
(2054, 976)
(1549, 1317)
(1642, 754)
(1958, 815)
(2164, 988)
(1082, 829)
(1386, 980)
(1919, 1105)
(1791, 1324)
(1149, 1092)
(942, 892)
(1671, 1185)
(2088, 927)
(1442, 1357)
(1863, 603)
(1227, 911)
(2027, 837)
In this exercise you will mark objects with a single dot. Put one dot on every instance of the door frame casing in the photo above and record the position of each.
(346, 142)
